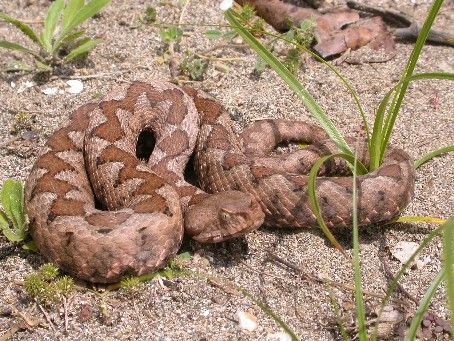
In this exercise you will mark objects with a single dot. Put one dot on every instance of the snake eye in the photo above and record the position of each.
(224, 215)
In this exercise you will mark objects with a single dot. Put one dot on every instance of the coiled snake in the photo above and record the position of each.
(100, 212)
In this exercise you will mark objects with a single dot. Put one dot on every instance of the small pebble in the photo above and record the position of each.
(5, 311)
(426, 323)
(438, 329)
(247, 321)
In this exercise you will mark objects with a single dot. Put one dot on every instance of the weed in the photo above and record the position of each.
(150, 15)
(48, 272)
(292, 60)
(260, 65)
(59, 41)
(213, 34)
(130, 283)
(246, 16)
(173, 270)
(194, 68)
(302, 37)
(22, 121)
(172, 34)
(46, 286)
(248, 19)
(13, 221)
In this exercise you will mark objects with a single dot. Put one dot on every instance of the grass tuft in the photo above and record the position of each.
(58, 42)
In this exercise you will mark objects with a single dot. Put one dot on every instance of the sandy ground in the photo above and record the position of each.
(196, 309)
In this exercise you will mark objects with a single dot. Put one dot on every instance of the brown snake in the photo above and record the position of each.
(100, 212)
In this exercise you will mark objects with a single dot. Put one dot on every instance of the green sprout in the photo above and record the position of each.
(194, 68)
(46, 286)
(150, 15)
(172, 34)
(59, 42)
(13, 221)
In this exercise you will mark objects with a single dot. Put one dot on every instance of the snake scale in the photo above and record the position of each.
(100, 210)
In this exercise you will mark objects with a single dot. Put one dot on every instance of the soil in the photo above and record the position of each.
(190, 308)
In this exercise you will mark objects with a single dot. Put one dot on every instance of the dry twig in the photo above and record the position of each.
(46, 315)
(407, 29)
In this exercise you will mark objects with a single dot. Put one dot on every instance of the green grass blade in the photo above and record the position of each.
(21, 26)
(42, 67)
(448, 252)
(80, 50)
(377, 133)
(315, 207)
(431, 155)
(359, 300)
(53, 15)
(16, 47)
(72, 37)
(311, 192)
(405, 80)
(375, 147)
(419, 219)
(291, 81)
(393, 285)
(336, 72)
(433, 75)
(424, 305)
(83, 14)
(71, 9)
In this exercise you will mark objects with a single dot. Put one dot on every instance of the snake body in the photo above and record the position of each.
(100, 212)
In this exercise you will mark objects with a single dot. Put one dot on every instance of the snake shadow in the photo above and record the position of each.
(231, 253)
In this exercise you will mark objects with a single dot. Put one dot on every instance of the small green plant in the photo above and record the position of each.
(171, 271)
(302, 35)
(13, 221)
(246, 16)
(22, 121)
(59, 41)
(171, 34)
(46, 286)
(130, 283)
(48, 272)
(194, 68)
(150, 15)
(302, 38)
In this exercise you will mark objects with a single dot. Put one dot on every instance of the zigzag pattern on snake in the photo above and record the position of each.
(100, 213)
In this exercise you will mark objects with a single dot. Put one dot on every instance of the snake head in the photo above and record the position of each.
(223, 216)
